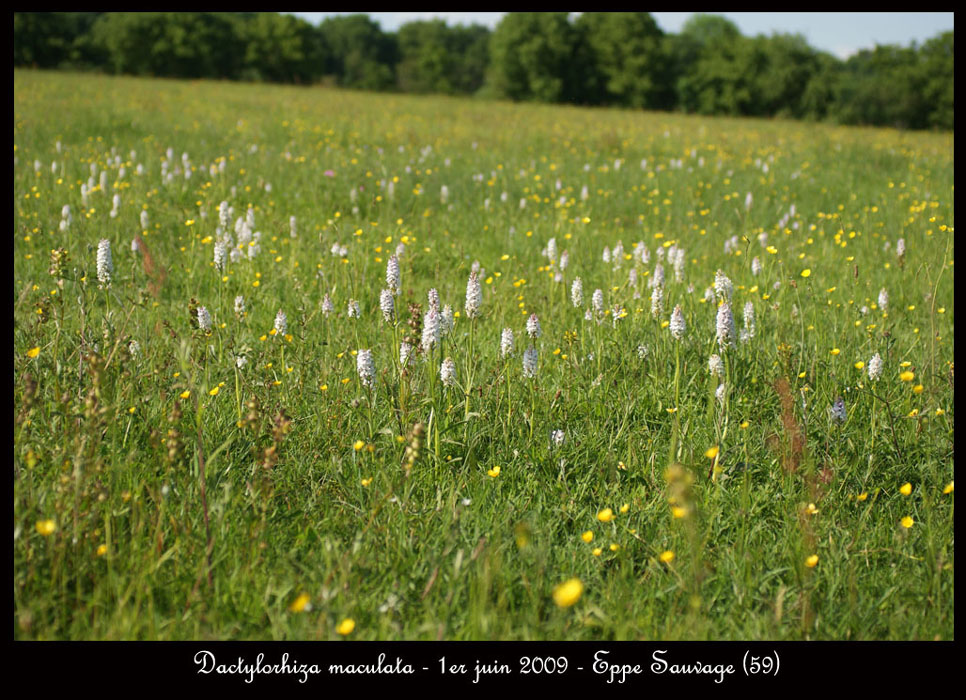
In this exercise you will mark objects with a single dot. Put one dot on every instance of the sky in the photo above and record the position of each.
(839, 33)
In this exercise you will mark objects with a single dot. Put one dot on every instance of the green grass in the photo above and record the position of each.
(139, 514)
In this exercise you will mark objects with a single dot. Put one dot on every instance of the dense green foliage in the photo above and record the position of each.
(541, 56)
(242, 479)
(597, 58)
(362, 55)
(436, 58)
(630, 55)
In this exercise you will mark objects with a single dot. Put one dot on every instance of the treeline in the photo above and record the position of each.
(595, 58)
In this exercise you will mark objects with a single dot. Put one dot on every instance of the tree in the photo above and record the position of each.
(786, 70)
(426, 61)
(282, 48)
(541, 56)
(360, 54)
(471, 48)
(881, 86)
(937, 63)
(709, 55)
(173, 44)
(434, 57)
(50, 39)
(819, 93)
(705, 30)
(628, 51)
(721, 80)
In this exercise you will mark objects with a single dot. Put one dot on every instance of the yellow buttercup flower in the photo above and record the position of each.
(186, 393)
(568, 592)
(33, 352)
(811, 561)
(907, 376)
(587, 536)
(214, 392)
(712, 452)
(907, 522)
(494, 472)
(358, 445)
(905, 489)
(948, 489)
(667, 556)
(606, 515)
(46, 527)
(301, 604)
(806, 272)
(346, 626)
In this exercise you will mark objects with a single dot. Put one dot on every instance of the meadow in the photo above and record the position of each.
(680, 377)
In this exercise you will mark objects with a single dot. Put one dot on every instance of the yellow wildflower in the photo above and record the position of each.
(346, 626)
(568, 592)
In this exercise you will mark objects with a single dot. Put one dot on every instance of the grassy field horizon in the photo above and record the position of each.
(681, 377)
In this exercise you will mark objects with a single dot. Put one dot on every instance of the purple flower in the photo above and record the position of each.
(838, 410)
